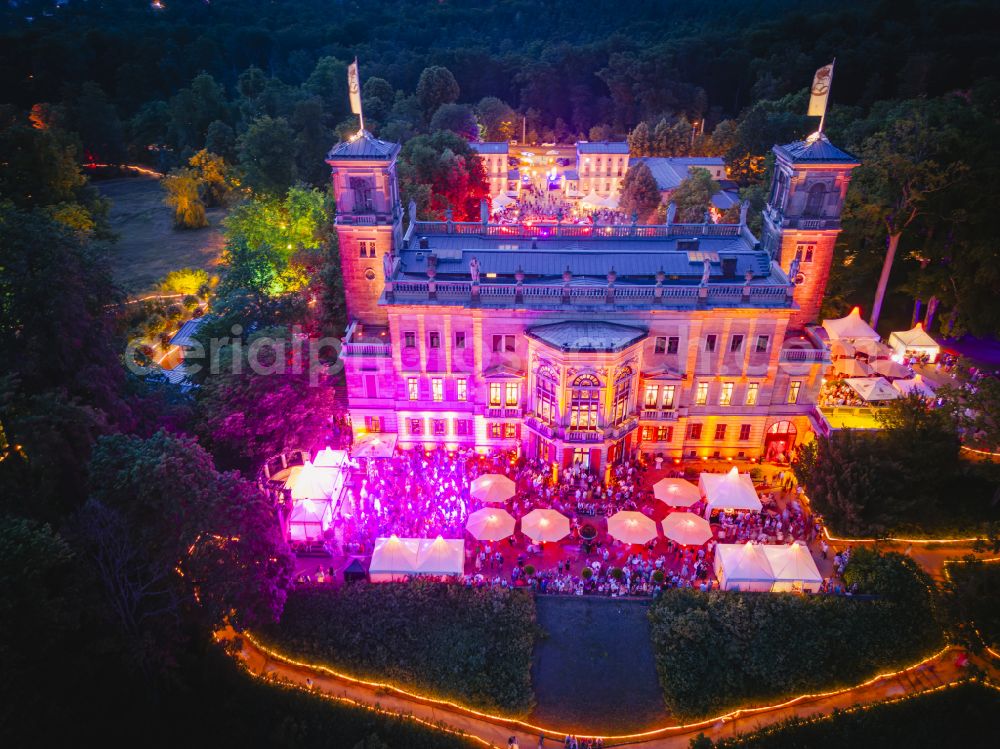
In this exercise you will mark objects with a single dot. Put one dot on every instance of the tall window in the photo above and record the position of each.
(585, 395)
(410, 339)
(496, 394)
(512, 392)
(762, 342)
(710, 340)
(673, 342)
(461, 390)
(694, 431)
(545, 395)
(437, 389)
(412, 388)
(752, 390)
(814, 202)
(460, 339)
(726, 394)
(660, 346)
(439, 426)
(664, 434)
(434, 339)
(667, 391)
(416, 426)
(793, 391)
(744, 432)
(503, 343)
(735, 343)
(623, 390)
(652, 394)
(720, 431)
(373, 423)
(701, 394)
(463, 427)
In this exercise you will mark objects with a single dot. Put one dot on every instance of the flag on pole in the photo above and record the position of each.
(354, 86)
(820, 91)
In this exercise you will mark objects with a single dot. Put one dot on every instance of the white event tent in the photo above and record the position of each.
(851, 328)
(309, 520)
(743, 567)
(728, 491)
(914, 341)
(915, 384)
(872, 388)
(793, 567)
(310, 481)
(394, 559)
(441, 556)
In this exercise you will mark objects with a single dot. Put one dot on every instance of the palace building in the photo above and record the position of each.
(574, 342)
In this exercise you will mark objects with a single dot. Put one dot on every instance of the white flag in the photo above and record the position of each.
(354, 86)
(820, 91)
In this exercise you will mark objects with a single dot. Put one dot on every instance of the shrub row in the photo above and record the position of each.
(472, 646)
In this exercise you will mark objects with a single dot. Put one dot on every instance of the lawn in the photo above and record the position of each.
(593, 667)
(471, 646)
(148, 246)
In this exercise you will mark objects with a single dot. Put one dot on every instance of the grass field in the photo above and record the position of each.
(148, 246)
(594, 668)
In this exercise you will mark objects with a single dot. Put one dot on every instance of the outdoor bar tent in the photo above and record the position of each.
(309, 520)
(850, 328)
(728, 491)
(440, 557)
(743, 567)
(914, 341)
(330, 458)
(915, 384)
(793, 567)
(394, 559)
(310, 481)
(872, 388)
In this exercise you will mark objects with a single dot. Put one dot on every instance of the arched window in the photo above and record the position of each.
(546, 398)
(782, 427)
(585, 397)
(622, 396)
(814, 202)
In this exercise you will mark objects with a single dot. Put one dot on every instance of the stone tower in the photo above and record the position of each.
(802, 217)
(369, 219)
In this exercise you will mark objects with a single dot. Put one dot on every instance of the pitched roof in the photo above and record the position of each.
(585, 335)
(363, 147)
(815, 149)
(484, 147)
(603, 146)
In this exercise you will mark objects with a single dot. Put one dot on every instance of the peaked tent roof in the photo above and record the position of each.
(729, 491)
(744, 562)
(330, 458)
(850, 327)
(314, 482)
(441, 556)
(394, 555)
(915, 337)
(792, 563)
(872, 388)
(915, 384)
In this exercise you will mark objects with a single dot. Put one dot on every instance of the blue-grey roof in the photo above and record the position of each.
(499, 148)
(670, 172)
(185, 336)
(725, 199)
(364, 147)
(572, 175)
(815, 150)
(603, 146)
(585, 335)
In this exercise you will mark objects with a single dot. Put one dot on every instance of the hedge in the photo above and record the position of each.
(468, 645)
(719, 650)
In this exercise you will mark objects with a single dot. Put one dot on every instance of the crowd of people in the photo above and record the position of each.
(539, 205)
(839, 393)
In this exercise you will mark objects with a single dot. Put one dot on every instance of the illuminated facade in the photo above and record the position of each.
(574, 342)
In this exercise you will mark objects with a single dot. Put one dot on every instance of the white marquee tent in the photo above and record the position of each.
(793, 567)
(914, 341)
(441, 556)
(394, 559)
(330, 458)
(310, 481)
(872, 388)
(309, 519)
(850, 328)
(915, 384)
(743, 567)
(728, 491)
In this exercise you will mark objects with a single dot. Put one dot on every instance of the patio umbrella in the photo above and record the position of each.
(841, 350)
(545, 525)
(492, 487)
(889, 368)
(852, 367)
(676, 492)
(686, 528)
(373, 445)
(631, 527)
(490, 524)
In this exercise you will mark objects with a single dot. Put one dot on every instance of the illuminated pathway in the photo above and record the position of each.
(937, 672)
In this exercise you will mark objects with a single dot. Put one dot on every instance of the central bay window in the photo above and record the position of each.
(793, 391)
(461, 390)
(701, 394)
(512, 394)
(496, 394)
(545, 395)
(585, 396)
(623, 390)
(667, 401)
(752, 389)
(650, 398)
(726, 394)
(437, 389)
(412, 388)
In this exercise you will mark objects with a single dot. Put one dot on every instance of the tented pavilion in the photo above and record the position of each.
(728, 491)
(850, 328)
(914, 342)
(915, 384)
(394, 559)
(872, 389)
(891, 369)
(310, 481)
(743, 567)
(440, 557)
(309, 520)
(793, 567)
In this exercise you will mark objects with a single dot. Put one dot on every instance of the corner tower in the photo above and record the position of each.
(802, 217)
(369, 219)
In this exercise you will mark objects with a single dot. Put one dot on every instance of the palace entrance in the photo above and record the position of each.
(779, 441)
